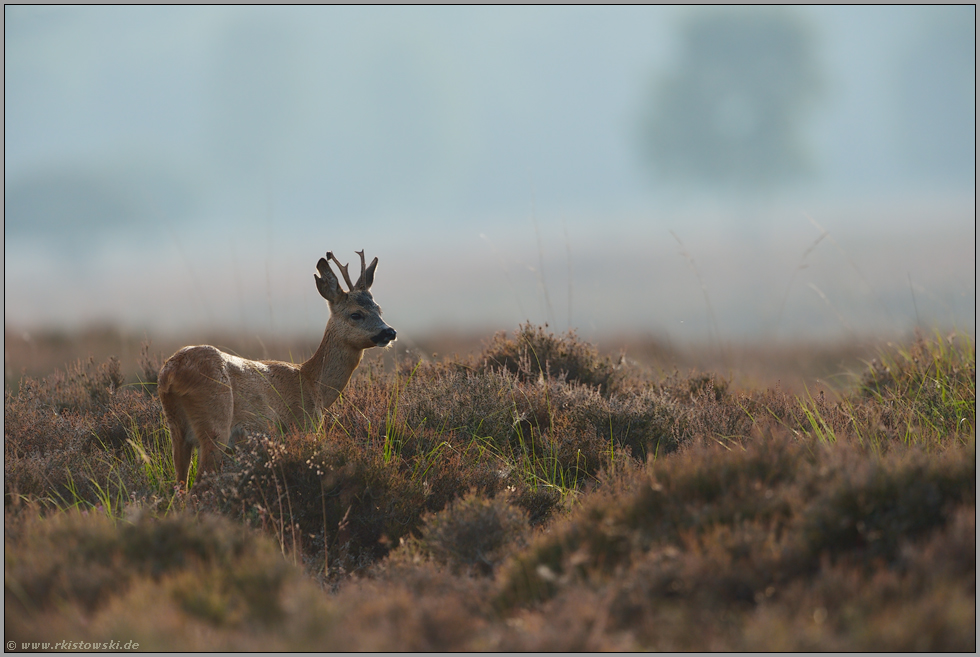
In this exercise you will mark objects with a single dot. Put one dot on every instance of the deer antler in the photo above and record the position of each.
(343, 269)
(360, 279)
(367, 273)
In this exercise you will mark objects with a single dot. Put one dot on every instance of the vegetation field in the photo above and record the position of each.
(534, 495)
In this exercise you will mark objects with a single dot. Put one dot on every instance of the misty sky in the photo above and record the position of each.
(184, 166)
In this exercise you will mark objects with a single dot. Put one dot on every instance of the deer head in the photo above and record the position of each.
(354, 312)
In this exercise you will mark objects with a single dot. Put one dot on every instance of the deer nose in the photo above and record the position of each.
(386, 336)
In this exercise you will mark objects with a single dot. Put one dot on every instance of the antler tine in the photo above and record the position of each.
(360, 280)
(342, 268)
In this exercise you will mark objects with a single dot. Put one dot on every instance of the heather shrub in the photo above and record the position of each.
(535, 353)
(524, 435)
(870, 507)
(925, 602)
(86, 557)
(539, 498)
(473, 534)
(108, 448)
(346, 497)
(469, 404)
(796, 499)
(411, 606)
(681, 495)
(149, 366)
(334, 504)
(644, 422)
(196, 572)
(39, 444)
(84, 385)
(568, 428)
(345, 501)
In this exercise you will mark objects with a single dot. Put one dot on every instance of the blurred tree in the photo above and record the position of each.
(730, 115)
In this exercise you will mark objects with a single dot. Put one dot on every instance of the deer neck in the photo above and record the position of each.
(330, 368)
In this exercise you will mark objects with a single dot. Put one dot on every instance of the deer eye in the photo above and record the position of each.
(356, 316)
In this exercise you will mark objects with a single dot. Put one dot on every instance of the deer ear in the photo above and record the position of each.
(326, 282)
(369, 274)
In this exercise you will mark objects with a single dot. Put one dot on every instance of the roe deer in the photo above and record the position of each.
(210, 397)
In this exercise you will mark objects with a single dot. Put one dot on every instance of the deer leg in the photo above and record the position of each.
(182, 459)
(206, 461)
(212, 427)
(182, 443)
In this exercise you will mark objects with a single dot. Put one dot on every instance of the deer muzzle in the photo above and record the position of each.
(384, 337)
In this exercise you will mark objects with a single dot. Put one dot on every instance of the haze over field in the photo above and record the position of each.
(687, 172)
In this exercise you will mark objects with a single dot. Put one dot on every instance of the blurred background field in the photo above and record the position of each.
(669, 180)
(793, 366)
